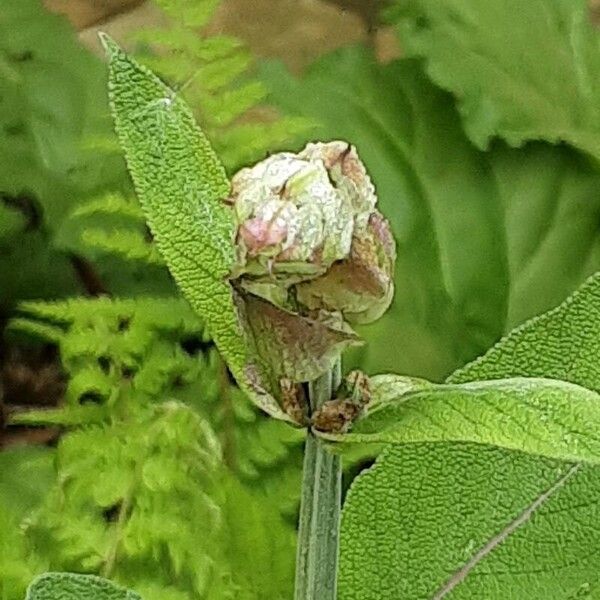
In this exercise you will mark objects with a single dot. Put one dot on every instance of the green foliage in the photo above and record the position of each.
(26, 474)
(165, 477)
(502, 59)
(541, 416)
(212, 73)
(144, 501)
(47, 108)
(113, 510)
(69, 586)
(123, 358)
(477, 233)
(110, 232)
(509, 522)
(147, 349)
(181, 185)
(52, 104)
(115, 348)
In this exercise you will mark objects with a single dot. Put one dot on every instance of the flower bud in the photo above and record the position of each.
(309, 237)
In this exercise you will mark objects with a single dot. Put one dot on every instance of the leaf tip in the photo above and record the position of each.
(110, 46)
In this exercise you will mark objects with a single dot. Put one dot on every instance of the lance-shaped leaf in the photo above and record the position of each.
(547, 417)
(71, 586)
(181, 185)
(470, 521)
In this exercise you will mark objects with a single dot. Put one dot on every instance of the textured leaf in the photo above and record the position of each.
(463, 521)
(472, 521)
(477, 233)
(520, 70)
(181, 185)
(546, 417)
(70, 586)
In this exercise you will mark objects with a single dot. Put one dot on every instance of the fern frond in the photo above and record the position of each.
(111, 349)
(111, 203)
(41, 331)
(248, 141)
(120, 314)
(151, 348)
(68, 416)
(113, 507)
(132, 245)
(112, 224)
(214, 76)
(231, 104)
(129, 452)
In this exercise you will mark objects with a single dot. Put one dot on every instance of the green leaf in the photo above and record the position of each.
(71, 586)
(539, 416)
(432, 520)
(477, 233)
(561, 344)
(520, 70)
(465, 521)
(181, 185)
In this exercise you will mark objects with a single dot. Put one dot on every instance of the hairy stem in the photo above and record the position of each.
(318, 535)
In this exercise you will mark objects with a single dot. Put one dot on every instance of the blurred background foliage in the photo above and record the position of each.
(127, 450)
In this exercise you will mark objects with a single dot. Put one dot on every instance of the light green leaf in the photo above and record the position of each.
(181, 185)
(477, 233)
(71, 586)
(561, 344)
(464, 521)
(546, 417)
(437, 520)
(521, 70)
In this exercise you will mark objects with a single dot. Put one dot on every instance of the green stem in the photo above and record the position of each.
(320, 507)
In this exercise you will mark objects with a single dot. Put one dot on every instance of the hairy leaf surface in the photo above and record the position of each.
(71, 586)
(547, 417)
(182, 186)
(437, 520)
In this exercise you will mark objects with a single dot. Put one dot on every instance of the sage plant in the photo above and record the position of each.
(280, 262)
